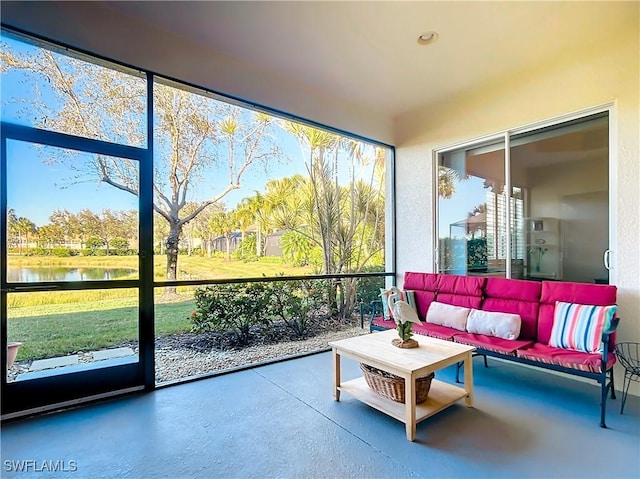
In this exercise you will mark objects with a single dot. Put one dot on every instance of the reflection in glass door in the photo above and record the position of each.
(472, 229)
(70, 269)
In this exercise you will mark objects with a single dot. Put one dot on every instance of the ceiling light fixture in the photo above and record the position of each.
(427, 37)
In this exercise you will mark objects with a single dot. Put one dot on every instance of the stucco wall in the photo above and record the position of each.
(585, 79)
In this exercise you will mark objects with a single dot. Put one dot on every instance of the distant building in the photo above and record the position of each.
(272, 243)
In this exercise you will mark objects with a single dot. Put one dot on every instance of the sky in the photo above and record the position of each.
(469, 194)
(39, 183)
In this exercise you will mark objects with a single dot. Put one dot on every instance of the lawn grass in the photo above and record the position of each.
(72, 327)
(57, 323)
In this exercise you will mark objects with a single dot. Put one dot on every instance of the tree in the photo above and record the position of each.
(223, 224)
(91, 226)
(447, 179)
(22, 227)
(70, 224)
(256, 208)
(296, 248)
(323, 184)
(12, 219)
(160, 232)
(346, 222)
(50, 235)
(107, 104)
(202, 227)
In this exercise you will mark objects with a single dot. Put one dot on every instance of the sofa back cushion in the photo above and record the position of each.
(515, 296)
(424, 286)
(567, 292)
(465, 291)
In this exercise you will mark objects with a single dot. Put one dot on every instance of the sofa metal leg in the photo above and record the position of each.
(458, 366)
(603, 399)
(613, 388)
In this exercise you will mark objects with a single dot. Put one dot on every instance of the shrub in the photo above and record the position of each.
(119, 244)
(235, 307)
(94, 243)
(62, 252)
(295, 302)
(38, 252)
(246, 250)
(368, 288)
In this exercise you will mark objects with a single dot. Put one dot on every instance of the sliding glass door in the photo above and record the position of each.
(554, 224)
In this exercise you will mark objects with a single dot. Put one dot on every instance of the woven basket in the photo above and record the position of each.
(392, 386)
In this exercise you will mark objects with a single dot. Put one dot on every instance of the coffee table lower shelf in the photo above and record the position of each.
(441, 396)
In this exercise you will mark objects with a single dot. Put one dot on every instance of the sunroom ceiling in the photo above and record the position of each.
(361, 54)
(367, 52)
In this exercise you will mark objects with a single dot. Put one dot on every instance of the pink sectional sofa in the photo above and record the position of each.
(534, 302)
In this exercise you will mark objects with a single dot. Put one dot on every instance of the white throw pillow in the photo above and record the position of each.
(500, 325)
(447, 315)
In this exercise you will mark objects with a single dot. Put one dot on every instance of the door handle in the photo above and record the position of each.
(606, 259)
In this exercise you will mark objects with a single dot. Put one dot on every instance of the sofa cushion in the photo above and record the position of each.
(426, 329)
(567, 292)
(465, 291)
(521, 297)
(567, 358)
(489, 323)
(423, 300)
(580, 326)
(425, 286)
(491, 343)
(421, 281)
(383, 323)
(435, 331)
(447, 315)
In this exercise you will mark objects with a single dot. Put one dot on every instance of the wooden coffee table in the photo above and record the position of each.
(376, 350)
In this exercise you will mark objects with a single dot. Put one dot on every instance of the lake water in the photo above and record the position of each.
(36, 274)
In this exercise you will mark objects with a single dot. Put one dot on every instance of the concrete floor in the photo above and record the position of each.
(281, 421)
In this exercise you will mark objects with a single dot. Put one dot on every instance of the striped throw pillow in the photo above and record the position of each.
(408, 295)
(580, 326)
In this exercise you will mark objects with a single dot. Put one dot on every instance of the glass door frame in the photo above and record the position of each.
(36, 395)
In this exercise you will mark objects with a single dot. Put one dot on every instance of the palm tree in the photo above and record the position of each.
(286, 200)
(23, 227)
(325, 193)
(447, 179)
(244, 216)
(255, 207)
(296, 248)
